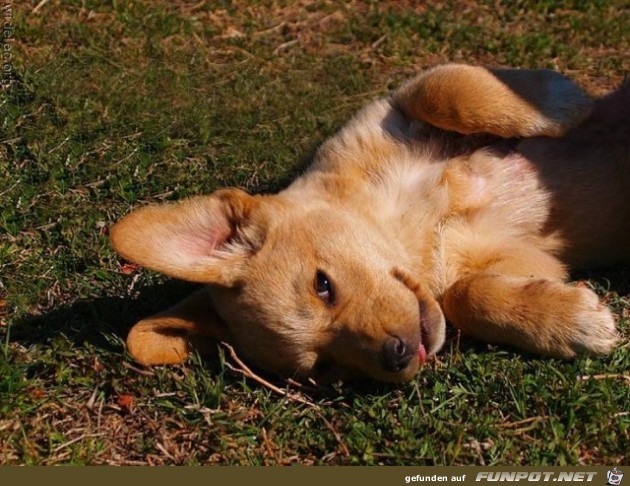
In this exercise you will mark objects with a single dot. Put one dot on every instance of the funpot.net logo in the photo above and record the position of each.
(535, 476)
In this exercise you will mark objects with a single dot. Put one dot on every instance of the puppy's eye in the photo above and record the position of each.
(324, 288)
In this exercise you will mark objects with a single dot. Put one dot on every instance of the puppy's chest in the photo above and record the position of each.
(424, 188)
(435, 207)
(405, 190)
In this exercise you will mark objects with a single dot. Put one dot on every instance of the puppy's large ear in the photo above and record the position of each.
(503, 102)
(204, 239)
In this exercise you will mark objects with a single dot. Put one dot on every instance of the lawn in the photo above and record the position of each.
(117, 104)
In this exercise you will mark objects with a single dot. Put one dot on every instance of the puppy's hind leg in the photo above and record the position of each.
(504, 102)
(169, 337)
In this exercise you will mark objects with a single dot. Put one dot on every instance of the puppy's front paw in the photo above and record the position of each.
(538, 315)
(593, 329)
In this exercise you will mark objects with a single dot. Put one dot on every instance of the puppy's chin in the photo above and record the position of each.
(328, 373)
(402, 376)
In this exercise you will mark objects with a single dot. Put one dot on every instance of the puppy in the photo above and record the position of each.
(466, 197)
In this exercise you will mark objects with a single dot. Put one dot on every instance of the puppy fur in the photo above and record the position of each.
(466, 196)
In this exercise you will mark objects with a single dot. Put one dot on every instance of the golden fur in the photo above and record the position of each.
(424, 208)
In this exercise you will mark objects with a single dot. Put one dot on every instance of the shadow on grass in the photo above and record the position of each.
(89, 321)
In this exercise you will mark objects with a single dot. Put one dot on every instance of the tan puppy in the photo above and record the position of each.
(464, 197)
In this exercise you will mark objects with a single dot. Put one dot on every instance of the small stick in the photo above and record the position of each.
(606, 376)
(510, 425)
(244, 369)
(73, 441)
(247, 372)
(284, 46)
(165, 452)
(39, 6)
(138, 370)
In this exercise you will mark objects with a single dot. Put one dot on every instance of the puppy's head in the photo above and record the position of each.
(301, 289)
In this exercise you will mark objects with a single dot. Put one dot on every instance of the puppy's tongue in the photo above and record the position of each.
(422, 354)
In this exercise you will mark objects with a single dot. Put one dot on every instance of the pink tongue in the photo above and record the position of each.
(422, 354)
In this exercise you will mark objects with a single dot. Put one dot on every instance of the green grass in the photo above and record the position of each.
(119, 104)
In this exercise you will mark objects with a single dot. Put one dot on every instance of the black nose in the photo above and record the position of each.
(396, 354)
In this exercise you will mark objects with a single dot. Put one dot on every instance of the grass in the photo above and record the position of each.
(119, 104)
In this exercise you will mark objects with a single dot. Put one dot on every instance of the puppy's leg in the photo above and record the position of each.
(504, 102)
(540, 314)
(168, 337)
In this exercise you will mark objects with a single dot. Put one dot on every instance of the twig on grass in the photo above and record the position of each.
(244, 370)
(138, 370)
(165, 452)
(379, 41)
(475, 446)
(10, 188)
(39, 6)
(75, 440)
(606, 376)
(92, 399)
(284, 46)
(270, 446)
(275, 28)
(312, 385)
(511, 425)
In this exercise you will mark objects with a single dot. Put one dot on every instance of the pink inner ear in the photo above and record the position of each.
(202, 236)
